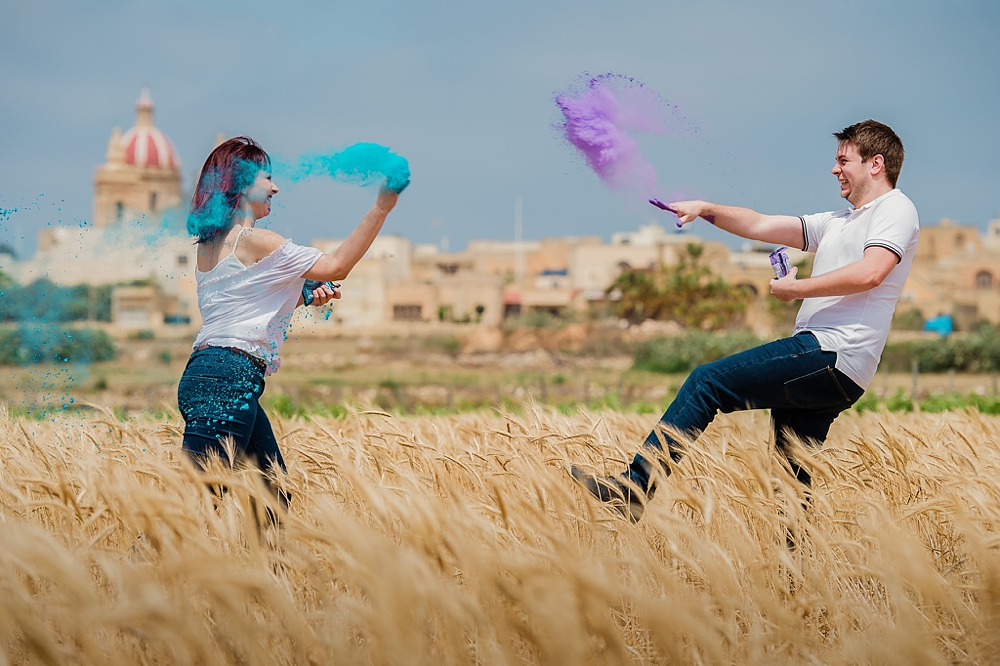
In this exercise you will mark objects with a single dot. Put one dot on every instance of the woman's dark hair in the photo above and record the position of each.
(229, 169)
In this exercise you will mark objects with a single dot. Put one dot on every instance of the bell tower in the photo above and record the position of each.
(141, 175)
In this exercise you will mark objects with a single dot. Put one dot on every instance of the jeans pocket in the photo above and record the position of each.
(817, 390)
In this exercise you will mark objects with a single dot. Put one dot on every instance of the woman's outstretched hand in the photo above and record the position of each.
(386, 199)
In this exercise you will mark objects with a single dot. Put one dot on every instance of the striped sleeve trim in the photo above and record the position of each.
(805, 236)
(892, 247)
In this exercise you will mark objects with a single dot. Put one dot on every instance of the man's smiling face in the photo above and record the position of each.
(855, 176)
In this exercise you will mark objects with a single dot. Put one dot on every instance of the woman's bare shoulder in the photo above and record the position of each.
(255, 244)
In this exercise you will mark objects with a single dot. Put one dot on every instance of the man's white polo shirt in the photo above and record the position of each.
(856, 326)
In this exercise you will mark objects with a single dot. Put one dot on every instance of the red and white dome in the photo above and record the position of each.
(144, 144)
(148, 146)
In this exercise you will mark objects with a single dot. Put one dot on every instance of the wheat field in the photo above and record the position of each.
(462, 540)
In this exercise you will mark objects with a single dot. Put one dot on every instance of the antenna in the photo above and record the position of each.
(518, 245)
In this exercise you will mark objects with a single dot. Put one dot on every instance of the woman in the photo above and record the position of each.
(249, 282)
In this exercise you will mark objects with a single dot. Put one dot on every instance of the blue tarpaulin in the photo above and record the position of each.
(940, 325)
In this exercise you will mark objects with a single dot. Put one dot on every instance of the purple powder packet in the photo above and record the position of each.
(780, 263)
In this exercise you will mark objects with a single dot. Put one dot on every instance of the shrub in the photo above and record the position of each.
(979, 351)
(44, 301)
(911, 320)
(441, 344)
(683, 353)
(36, 344)
(900, 401)
(283, 405)
(538, 319)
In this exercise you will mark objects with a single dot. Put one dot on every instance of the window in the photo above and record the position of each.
(984, 280)
(119, 211)
(152, 202)
(407, 312)
(182, 259)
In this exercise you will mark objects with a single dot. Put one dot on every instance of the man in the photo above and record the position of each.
(862, 257)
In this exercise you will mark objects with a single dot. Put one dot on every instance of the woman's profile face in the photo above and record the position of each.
(259, 194)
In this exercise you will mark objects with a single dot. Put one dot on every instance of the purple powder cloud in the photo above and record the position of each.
(598, 121)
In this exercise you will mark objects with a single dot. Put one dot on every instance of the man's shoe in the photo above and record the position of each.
(614, 492)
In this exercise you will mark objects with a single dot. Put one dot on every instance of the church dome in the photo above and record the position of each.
(144, 144)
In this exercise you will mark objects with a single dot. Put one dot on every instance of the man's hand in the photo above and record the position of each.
(689, 211)
(784, 289)
(853, 278)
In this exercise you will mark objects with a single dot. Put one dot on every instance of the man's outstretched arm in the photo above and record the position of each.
(854, 278)
(743, 222)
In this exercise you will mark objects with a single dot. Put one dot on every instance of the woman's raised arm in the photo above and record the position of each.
(336, 265)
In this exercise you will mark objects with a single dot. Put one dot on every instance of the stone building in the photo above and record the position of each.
(397, 285)
(956, 271)
(137, 241)
(136, 238)
(141, 176)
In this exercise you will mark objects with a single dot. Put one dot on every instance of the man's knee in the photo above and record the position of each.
(699, 375)
(701, 380)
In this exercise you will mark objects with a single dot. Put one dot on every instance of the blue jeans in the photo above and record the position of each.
(218, 397)
(792, 377)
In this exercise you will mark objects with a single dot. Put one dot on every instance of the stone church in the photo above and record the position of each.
(141, 176)
(136, 239)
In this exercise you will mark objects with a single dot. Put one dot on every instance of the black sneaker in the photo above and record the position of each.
(613, 491)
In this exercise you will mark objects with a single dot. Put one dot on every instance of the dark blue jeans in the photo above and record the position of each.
(792, 377)
(218, 397)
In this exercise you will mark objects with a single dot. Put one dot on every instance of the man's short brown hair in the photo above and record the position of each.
(874, 138)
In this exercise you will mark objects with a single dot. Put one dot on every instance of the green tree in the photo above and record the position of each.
(686, 292)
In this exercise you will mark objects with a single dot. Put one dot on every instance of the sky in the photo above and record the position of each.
(465, 90)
